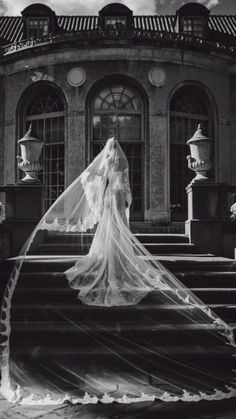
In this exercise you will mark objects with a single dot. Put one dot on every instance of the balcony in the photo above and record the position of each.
(100, 37)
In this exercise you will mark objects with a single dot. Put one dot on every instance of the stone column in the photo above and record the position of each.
(76, 161)
(76, 145)
(158, 211)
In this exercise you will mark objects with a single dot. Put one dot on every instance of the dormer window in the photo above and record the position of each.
(192, 18)
(116, 16)
(193, 25)
(37, 27)
(115, 22)
(39, 20)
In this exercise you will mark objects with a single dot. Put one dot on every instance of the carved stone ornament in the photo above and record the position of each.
(28, 162)
(76, 76)
(157, 76)
(200, 159)
(38, 75)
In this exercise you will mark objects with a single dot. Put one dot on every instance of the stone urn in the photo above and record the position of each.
(200, 159)
(31, 148)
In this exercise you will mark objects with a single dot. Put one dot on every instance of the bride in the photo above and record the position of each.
(114, 271)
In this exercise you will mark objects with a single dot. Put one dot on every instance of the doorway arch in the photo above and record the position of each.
(116, 108)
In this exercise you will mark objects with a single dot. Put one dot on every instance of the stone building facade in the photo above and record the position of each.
(148, 80)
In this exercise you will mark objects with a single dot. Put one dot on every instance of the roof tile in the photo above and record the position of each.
(11, 27)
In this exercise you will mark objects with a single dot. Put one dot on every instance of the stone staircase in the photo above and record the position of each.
(156, 244)
(50, 325)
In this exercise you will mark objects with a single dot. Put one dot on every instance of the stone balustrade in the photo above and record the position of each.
(136, 35)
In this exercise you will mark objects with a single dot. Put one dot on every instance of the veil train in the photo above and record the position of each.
(100, 329)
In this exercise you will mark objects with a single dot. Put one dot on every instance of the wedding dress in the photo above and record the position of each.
(113, 272)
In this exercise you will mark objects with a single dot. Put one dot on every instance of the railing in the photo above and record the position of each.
(135, 35)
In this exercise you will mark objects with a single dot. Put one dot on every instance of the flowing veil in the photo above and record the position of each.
(112, 275)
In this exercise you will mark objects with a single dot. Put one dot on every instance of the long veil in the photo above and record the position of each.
(95, 326)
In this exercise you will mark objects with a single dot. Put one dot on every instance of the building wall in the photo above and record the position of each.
(209, 72)
(2, 101)
(233, 125)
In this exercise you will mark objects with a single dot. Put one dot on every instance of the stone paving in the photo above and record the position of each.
(180, 410)
(158, 410)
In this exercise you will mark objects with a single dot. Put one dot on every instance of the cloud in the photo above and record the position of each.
(77, 7)
(92, 7)
(170, 6)
(2, 8)
(209, 3)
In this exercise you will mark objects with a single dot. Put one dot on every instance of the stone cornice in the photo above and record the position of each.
(171, 56)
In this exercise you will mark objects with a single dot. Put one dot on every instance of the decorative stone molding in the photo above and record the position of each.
(76, 77)
(157, 76)
(201, 167)
(38, 75)
(30, 168)
(200, 159)
(28, 162)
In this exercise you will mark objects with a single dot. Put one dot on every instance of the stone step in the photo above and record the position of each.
(116, 361)
(61, 237)
(204, 279)
(70, 333)
(179, 263)
(128, 365)
(153, 248)
(145, 310)
(147, 227)
(208, 277)
(216, 352)
(129, 371)
(162, 238)
(38, 292)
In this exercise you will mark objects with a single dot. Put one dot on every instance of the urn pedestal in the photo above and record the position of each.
(23, 210)
(200, 159)
(207, 215)
(207, 200)
(31, 148)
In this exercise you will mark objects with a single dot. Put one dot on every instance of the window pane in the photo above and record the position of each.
(189, 107)
(117, 97)
(129, 128)
(37, 27)
(117, 111)
(51, 129)
(104, 126)
(45, 102)
(115, 22)
(193, 25)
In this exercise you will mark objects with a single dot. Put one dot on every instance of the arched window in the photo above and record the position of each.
(189, 107)
(46, 111)
(117, 111)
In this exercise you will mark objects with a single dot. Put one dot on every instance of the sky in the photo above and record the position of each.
(91, 7)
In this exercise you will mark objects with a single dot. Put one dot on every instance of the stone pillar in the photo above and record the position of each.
(207, 215)
(207, 201)
(2, 103)
(23, 210)
(159, 209)
(76, 146)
